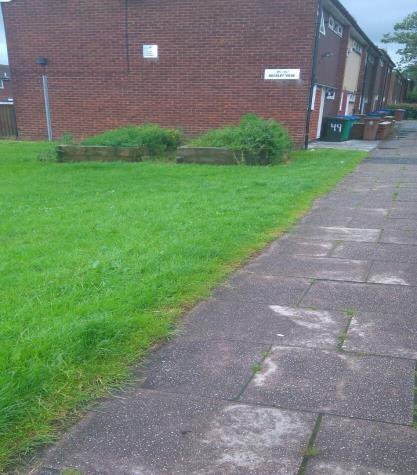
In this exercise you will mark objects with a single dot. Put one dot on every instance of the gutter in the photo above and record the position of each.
(313, 73)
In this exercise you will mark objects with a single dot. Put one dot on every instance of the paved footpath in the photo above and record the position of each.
(304, 362)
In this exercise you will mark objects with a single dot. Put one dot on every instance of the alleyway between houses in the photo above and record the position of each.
(303, 362)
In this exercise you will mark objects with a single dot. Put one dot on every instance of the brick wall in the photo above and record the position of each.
(212, 56)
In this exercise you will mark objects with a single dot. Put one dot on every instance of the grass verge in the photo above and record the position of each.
(98, 260)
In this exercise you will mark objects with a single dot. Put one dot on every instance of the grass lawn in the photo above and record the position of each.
(98, 260)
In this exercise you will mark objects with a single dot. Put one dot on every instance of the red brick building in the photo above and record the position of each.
(194, 64)
(6, 95)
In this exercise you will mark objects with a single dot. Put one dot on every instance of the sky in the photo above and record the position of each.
(376, 17)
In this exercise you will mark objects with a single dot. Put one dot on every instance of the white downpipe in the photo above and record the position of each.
(47, 106)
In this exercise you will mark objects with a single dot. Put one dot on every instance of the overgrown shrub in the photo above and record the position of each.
(412, 97)
(151, 138)
(254, 140)
(411, 109)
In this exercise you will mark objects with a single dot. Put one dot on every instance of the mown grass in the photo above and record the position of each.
(99, 259)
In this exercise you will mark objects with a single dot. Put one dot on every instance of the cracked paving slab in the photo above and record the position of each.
(383, 334)
(211, 368)
(271, 324)
(350, 446)
(399, 236)
(289, 245)
(312, 267)
(157, 433)
(363, 297)
(393, 273)
(337, 233)
(377, 388)
(375, 252)
(263, 288)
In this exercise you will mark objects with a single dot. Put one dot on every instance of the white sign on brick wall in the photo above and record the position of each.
(150, 51)
(282, 74)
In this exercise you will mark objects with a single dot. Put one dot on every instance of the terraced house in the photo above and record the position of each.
(189, 63)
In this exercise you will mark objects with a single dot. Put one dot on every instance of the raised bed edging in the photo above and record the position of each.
(89, 153)
(206, 155)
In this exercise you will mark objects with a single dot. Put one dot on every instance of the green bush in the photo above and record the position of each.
(411, 109)
(255, 141)
(412, 97)
(151, 138)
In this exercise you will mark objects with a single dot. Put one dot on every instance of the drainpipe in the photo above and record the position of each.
(45, 87)
(313, 73)
(47, 106)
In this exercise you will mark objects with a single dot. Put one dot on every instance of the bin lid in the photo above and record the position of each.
(337, 117)
(349, 117)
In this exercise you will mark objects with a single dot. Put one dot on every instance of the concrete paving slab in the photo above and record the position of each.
(290, 245)
(401, 223)
(399, 236)
(369, 218)
(159, 433)
(383, 334)
(373, 251)
(350, 200)
(368, 387)
(271, 324)
(363, 297)
(403, 212)
(393, 273)
(312, 267)
(324, 219)
(351, 446)
(364, 145)
(210, 368)
(263, 289)
(337, 233)
(407, 196)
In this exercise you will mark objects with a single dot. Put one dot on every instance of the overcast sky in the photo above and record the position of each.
(376, 17)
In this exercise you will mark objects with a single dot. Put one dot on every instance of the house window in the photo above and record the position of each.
(1, 84)
(357, 47)
(335, 26)
(322, 25)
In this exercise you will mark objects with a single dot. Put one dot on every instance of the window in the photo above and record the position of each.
(1, 84)
(371, 59)
(335, 26)
(357, 47)
(381, 63)
(322, 25)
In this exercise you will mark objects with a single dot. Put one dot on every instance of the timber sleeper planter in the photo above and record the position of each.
(93, 153)
(217, 156)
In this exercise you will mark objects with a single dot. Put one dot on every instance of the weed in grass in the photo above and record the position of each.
(98, 260)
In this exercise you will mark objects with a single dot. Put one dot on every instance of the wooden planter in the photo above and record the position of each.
(84, 153)
(206, 156)
(215, 156)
